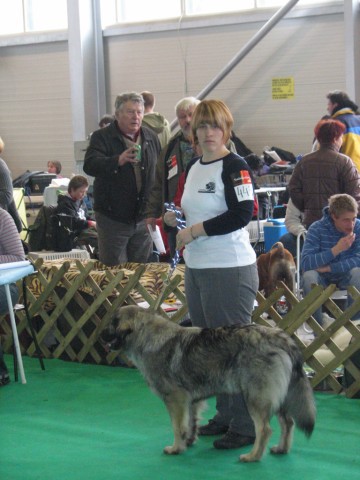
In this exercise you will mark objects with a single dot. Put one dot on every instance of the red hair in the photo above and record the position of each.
(326, 131)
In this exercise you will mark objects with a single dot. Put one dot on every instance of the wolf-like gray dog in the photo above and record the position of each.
(186, 365)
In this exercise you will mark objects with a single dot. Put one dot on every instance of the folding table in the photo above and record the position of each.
(11, 273)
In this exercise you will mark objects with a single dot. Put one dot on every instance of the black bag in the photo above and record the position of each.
(41, 233)
(285, 155)
(52, 231)
(65, 236)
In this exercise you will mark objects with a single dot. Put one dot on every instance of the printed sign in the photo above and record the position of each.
(283, 88)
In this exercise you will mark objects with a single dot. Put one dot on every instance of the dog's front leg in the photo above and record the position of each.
(178, 405)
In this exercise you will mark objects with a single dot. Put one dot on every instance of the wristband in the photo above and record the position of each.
(191, 233)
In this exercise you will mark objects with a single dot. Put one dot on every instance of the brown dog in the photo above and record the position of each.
(275, 266)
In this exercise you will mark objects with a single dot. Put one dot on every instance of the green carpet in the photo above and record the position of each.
(77, 422)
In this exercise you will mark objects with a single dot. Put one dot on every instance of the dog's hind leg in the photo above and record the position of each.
(287, 429)
(262, 431)
(195, 413)
(178, 404)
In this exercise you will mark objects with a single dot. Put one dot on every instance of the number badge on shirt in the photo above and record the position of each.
(242, 185)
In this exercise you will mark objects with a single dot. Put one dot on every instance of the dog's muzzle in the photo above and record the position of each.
(108, 339)
(110, 346)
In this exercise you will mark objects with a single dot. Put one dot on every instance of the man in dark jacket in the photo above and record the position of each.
(122, 158)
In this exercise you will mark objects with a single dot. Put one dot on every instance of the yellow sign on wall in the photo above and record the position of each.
(283, 88)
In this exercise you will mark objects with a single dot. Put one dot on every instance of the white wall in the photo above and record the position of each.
(35, 121)
(35, 105)
(176, 64)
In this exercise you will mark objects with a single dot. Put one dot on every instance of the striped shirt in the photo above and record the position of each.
(11, 249)
(322, 236)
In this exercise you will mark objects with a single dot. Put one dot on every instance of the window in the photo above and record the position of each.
(202, 7)
(19, 16)
(132, 11)
(11, 17)
(45, 15)
(279, 3)
(146, 10)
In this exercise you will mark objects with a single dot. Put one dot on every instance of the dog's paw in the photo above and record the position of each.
(190, 441)
(277, 450)
(172, 450)
(248, 457)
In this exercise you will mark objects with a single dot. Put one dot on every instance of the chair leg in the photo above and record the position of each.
(33, 334)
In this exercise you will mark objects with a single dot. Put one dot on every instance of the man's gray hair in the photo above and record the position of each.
(185, 103)
(128, 97)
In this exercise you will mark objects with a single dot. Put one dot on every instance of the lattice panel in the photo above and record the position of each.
(74, 301)
(325, 338)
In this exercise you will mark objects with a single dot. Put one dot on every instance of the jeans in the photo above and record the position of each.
(341, 280)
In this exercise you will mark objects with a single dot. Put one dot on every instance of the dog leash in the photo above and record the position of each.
(180, 225)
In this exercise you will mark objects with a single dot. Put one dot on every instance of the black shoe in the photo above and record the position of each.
(233, 440)
(212, 428)
(4, 379)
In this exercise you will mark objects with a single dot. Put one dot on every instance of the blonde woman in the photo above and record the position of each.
(221, 277)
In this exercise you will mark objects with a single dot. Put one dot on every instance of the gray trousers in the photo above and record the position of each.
(122, 242)
(217, 297)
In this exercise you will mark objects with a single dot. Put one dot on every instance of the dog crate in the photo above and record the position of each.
(73, 254)
(272, 180)
(273, 231)
(256, 230)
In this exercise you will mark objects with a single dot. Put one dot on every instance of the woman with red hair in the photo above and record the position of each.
(323, 173)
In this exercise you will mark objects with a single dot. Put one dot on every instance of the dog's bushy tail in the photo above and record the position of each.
(300, 403)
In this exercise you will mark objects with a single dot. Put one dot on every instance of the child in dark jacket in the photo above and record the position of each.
(73, 204)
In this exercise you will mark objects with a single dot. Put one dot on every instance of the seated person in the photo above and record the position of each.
(73, 204)
(53, 166)
(294, 226)
(11, 250)
(331, 251)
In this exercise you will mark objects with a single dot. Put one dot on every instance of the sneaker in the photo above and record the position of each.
(233, 440)
(212, 428)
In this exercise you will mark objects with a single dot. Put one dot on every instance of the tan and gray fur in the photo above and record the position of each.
(186, 365)
(275, 266)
